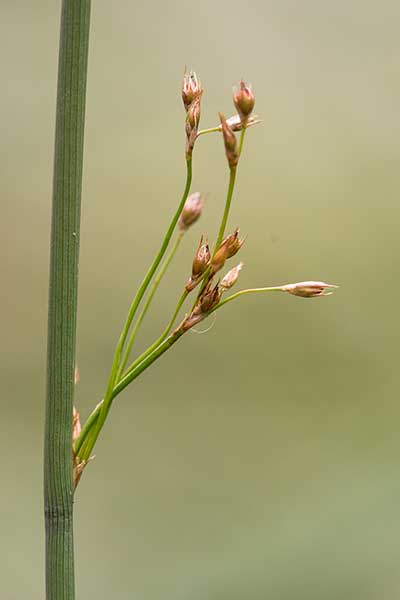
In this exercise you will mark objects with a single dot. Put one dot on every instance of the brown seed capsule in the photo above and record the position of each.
(200, 264)
(244, 100)
(232, 243)
(209, 298)
(231, 277)
(218, 260)
(309, 289)
(191, 211)
(229, 141)
(228, 248)
(191, 88)
(193, 116)
(192, 124)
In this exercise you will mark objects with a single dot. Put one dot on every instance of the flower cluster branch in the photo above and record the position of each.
(204, 276)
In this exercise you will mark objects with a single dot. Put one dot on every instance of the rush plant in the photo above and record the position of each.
(204, 283)
(68, 444)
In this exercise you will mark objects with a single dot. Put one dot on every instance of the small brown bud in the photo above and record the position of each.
(191, 88)
(244, 100)
(229, 141)
(309, 289)
(209, 298)
(192, 124)
(231, 277)
(228, 248)
(232, 243)
(191, 211)
(200, 264)
(193, 116)
(218, 260)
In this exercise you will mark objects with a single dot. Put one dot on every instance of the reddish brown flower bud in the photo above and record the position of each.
(232, 243)
(218, 260)
(191, 211)
(228, 248)
(193, 116)
(200, 264)
(231, 277)
(191, 88)
(192, 124)
(244, 100)
(229, 141)
(209, 298)
(309, 289)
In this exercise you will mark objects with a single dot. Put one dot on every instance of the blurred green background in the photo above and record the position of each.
(260, 460)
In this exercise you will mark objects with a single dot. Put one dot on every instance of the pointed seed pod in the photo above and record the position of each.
(228, 248)
(232, 243)
(244, 100)
(231, 277)
(200, 264)
(191, 88)
(191, 211)
(209, 298)
(309, 289)
(229, 141)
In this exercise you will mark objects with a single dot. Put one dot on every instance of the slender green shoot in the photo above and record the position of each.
(231, 186)
(146, 307)
(136, 301)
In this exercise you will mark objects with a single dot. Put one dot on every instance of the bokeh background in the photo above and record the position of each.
(261, 459)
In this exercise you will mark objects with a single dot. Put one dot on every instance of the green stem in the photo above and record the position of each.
(88, 436)
(228, 201)
(209, 130)
(136, 301)
(162, 336)
(241, 139)
(153, 290)
(231, 185)
(82, 448)
(64, 255)
(243, 293)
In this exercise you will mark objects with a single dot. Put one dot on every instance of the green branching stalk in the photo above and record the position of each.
(105, 405)
(83, 446)
(85, 443)
(243, 293)
(231, 186)
(64, 254)
(156, 283)
(241, 140)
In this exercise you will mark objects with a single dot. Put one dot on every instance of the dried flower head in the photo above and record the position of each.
(209, 298)
(232, 243)
(244, 100)
(231, 277)
(191, 88)
(191, 211)
(228, 248)
(309, 289)
(230, 142)
(200, 264)
(192, 124)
